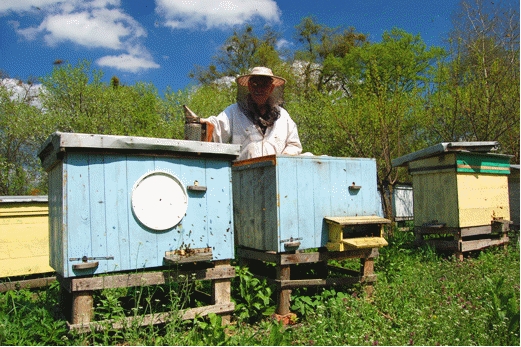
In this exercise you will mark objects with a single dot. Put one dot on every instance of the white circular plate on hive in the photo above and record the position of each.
(159, 200)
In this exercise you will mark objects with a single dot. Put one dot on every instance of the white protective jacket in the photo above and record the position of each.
(232, 126)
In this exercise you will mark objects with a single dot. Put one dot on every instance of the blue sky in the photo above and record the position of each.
(160, 41)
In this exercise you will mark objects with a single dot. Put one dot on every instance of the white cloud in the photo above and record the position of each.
(98, 28)
(23, 92)
(25, 5)
(127, 62)
(91, 24)
(215, 14)
(283, 43)
(46, 6)
(93, 28)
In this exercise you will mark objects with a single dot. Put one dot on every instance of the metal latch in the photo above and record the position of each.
(291, 242)
(196, 187)
(354, 187)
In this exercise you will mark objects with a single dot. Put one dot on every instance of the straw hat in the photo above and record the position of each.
(260, 71)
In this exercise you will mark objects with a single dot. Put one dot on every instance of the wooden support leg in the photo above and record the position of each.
(367, 270)
(502, 227)
(504, 236)
(221, 291)
(459, 252)
(82, 307)
(418, 238)
(283, 313)
(284, 295)
(65, 303)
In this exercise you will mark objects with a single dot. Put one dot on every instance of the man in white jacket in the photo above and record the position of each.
(257, 121)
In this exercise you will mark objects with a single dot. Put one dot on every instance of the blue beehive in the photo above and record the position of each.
(283, 203)
(121, 203)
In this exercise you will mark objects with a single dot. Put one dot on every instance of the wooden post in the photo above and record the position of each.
(502, 227)
(418, 237)
(284, 295)
(221, 290)
(82, 307)
(459, 252)
(367, 269)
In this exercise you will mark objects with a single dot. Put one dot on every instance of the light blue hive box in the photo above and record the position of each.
(284, 203)
(120, 203)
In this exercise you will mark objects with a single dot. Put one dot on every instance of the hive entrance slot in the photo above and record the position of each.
(188, 255)
(362, 230)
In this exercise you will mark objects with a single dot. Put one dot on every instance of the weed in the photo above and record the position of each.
(253, 297)
(420, 298)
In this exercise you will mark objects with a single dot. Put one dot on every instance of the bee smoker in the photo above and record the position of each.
(194, 130)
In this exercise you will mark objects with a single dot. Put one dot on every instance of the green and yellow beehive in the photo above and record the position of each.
(459, 184)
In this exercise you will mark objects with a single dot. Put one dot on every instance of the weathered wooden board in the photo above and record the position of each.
(144, 279)
(153, 319)
(18, 284)
(300, 258)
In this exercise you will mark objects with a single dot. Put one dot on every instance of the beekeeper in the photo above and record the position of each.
(257, 121)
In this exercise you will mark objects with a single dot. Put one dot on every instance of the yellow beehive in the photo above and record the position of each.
(458, 186)
(24, 239)
(351, 233)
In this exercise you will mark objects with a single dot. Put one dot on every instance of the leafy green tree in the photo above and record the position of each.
(81, 102)
(316, 116)
(240, 52)
(318, 42)
(22, 129)
(477, 91)
(379, 110)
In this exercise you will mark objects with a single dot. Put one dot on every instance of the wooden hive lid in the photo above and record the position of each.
(477, 146)
(357, 220)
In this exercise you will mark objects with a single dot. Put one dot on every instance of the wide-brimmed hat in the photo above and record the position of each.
(260, 71)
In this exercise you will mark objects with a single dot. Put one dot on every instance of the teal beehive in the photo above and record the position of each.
(283, 203)
(120, 203)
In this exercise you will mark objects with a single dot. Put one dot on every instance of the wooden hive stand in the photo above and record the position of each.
(26, 282)
(77, 293)
(463, 240)
(360, 246)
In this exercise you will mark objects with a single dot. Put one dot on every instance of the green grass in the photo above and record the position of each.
(421, 298)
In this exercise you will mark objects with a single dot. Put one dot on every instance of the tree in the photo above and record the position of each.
(81, 102)
(477, 91)
(72, 99)
(318, 43)
(379, 112)
(22, 128)
(240, 52)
